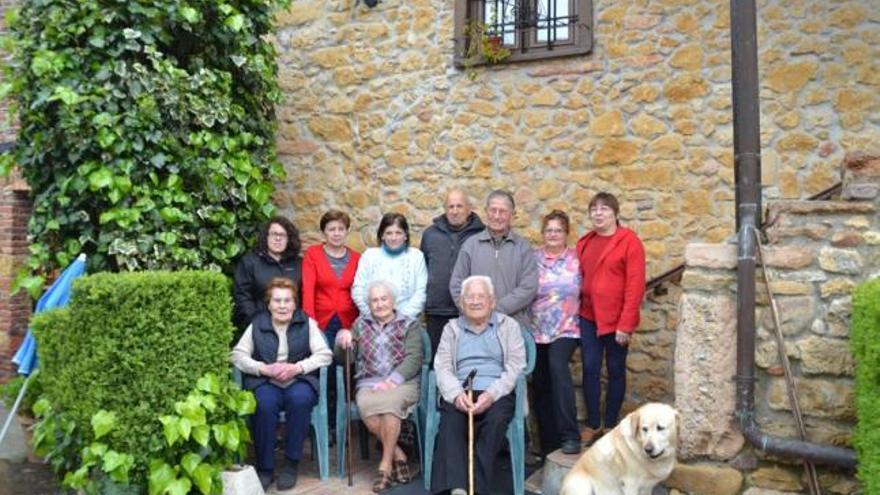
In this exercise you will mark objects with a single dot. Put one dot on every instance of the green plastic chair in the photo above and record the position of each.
(516, 430)
(319, 420)
(417, 417)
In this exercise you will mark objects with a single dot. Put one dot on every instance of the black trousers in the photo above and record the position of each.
(434, 325)
(450, 467)
(553, 394)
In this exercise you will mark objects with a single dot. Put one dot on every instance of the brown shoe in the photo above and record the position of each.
(589, 435)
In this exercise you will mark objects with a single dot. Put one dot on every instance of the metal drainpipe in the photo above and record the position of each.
(747, 169)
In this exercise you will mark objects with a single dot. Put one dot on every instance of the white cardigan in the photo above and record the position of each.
(406, 272)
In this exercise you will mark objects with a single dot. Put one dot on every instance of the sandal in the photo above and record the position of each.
(382, 481)
(401, 471)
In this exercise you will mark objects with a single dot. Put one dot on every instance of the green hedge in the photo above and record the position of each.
(866, 348)
(133, 344)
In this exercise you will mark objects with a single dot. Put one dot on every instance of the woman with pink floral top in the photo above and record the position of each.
(554, 315)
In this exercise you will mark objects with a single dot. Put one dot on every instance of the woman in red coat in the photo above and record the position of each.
(612, 264)
(327, 274)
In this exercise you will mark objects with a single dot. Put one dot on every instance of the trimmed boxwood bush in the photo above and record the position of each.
(131, 346)
(866, 348)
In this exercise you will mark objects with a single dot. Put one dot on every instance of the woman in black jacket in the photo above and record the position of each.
(276, 254)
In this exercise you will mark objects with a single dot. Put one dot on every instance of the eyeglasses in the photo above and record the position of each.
(278, 235)
(554, 231)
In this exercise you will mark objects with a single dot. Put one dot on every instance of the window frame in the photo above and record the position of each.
(581, 41)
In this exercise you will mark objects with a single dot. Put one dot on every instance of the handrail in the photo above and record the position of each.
(676, 272)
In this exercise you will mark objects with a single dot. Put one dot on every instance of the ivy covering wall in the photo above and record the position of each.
(146, 129)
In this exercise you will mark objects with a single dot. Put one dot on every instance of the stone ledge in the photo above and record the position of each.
(819, 208)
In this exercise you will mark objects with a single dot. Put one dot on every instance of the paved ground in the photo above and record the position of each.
(26, 477)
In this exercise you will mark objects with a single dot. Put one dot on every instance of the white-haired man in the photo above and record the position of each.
(491, 343)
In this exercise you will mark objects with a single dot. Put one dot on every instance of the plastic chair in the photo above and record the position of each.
(516, 430)
(319, 417)
(417, 417)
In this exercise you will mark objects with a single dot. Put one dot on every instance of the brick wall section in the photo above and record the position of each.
(15, 208)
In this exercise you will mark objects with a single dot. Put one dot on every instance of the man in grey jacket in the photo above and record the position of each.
(503, 256)
(489, 343)
(441, 243)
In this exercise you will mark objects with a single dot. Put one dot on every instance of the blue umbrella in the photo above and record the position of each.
(56, 296)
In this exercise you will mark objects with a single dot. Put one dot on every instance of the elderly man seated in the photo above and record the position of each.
(388, 361)
(489, 342)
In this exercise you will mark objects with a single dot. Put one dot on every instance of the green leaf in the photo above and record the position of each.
(170, 429)
(209, 383)
(161, 475)
(66, 95)
(103, 422)
(184, 426)
(41, 407)
(112, 460)
(100, 178)
(190, 461)
(76, 479)
(234, 22)
(190, 14)
(180, 486)
(245, 403)
(201, 434)
(33, 284)
(220, 433)
(204, 478)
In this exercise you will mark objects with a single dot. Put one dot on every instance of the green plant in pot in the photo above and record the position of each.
(482, 46)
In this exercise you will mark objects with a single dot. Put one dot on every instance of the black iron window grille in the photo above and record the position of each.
(528, 29)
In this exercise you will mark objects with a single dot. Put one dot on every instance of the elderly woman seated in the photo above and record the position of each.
(388, 362)
(279, 355)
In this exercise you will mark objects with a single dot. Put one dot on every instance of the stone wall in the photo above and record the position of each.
(376, 117)
(817, 252)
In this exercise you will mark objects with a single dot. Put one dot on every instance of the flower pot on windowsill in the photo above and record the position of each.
(495, 41)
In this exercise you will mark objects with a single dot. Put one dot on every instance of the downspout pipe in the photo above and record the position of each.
(747, 169)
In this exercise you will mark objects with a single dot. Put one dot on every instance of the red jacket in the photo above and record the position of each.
(325, 294)
(618, 282)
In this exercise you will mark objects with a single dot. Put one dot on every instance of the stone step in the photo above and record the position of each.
(706, 479)
(547, 480)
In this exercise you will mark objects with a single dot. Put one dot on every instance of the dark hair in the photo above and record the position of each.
(280, 283)
(607, 199)
(559, 215)
(500, 193)
(335, 216)
(390, 219)
(293, 242)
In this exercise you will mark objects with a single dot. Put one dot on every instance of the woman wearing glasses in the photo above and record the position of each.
(554, 317)
(612, 264)
(276, 254)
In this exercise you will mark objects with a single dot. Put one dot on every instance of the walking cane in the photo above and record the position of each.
(348, 413)
(469, 384)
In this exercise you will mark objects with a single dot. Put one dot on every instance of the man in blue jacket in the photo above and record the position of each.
(441, 243)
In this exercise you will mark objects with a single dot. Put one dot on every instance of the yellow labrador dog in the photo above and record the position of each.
(630, 459)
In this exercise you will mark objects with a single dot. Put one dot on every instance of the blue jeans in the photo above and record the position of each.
(297, 402)
(593, 348)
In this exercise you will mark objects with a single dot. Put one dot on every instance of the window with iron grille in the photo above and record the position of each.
(528, 29)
